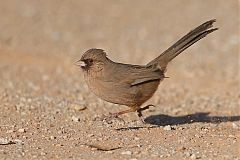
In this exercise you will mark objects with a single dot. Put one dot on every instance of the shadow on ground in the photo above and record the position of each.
(162, 120)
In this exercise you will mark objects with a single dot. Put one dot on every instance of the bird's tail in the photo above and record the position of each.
(182, 44)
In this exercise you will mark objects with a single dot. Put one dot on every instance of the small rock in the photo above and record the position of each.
(109, 152)
(59, 145)
(52, 137)
(10, 131)
(43, 153)
(18, 141)
(235, 126)
(90, 135)
(94, 149)
(188, 154)
(4, 141)
(77, 107)
(126, 153)
(231, 136)
(181, 128)
(75, 119)
(167, 128)
(136, 138)
(21, 130)
(29, 100)
(182, 148)
(19, 106)
(193, 156)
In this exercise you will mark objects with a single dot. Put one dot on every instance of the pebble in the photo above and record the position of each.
(167, 128)
(4, 141)
(21, 130)
(18, 141)
(77, 107)
(94, 149)
(59, 145)
(43, 153)
(75, 119)
(182, 148)
(188, 154)
(193, 156)
(235, 126)
(29, 100)
(19, 106)
(126, 153)
(10, 131)
(109, 152)
(231, 136)
(90, 135)
(136, 138)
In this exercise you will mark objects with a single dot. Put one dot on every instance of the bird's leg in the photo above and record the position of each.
(142, 109)
(132, 109)
(140, 116)
(125, 111)
(115, 115)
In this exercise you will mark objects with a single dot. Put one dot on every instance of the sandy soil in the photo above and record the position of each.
(47, 111)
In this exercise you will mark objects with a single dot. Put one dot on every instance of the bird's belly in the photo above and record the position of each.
(124, 94)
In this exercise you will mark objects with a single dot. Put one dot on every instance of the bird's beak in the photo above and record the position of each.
(80, 63)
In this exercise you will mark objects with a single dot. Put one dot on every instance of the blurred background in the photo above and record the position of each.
(130, 32)
(124, 29)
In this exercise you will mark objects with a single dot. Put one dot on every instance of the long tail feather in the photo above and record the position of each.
(182, 44)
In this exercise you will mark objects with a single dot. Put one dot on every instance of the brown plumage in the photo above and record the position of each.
(132, 85)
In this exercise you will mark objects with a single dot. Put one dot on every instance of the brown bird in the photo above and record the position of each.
(128, 84)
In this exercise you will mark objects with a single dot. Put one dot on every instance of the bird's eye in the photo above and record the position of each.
(90, 60)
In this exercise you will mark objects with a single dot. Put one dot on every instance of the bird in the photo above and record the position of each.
(132, 85)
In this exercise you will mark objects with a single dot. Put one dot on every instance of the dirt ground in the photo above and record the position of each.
(47, 111)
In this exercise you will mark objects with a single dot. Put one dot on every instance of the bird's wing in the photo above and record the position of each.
(144, 75)
(141, 74)
(126, 74)
(144, 80)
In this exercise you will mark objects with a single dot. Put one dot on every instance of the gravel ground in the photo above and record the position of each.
(47, 111)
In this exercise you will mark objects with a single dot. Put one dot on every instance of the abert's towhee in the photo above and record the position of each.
(128, 84)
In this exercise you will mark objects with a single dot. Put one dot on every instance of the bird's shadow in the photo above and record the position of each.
(163, 120)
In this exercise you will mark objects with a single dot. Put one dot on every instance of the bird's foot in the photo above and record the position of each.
(139, 111)
(110, 117)
(142, 120)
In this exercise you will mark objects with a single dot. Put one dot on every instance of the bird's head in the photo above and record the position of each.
(92, 58)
